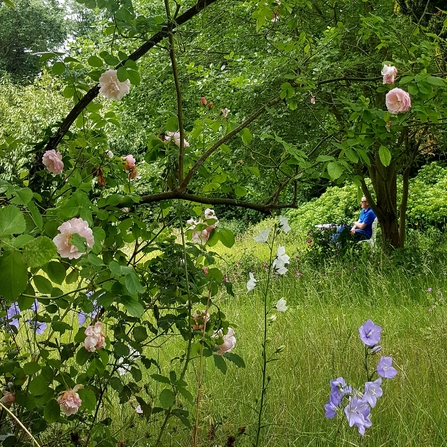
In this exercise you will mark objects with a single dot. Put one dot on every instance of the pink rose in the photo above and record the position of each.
(53, 161)
(70, 401)
(111, 87)
(397, 101)
(95, 337)
(129, 162)
(63, 240)
(229, 341)
(389, 72)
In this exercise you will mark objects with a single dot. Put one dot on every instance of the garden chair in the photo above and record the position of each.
(372, 240)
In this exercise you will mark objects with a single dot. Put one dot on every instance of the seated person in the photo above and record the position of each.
(362, 229)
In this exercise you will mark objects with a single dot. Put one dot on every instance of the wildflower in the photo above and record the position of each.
(280, 261)
(357, 412)
(53, 161)
(111, 87)
(284, 224)
(312, 99)
(397, 101)
(95, 338)
(82, 317)
(70, 401)
(370, 333)
(139, 410)
(331, 410)
(109, 154)
(11, 314)
(372, 392)
(262, 236)
(229, 341)
(124, 367)
(339, 389)
(251, 284)
(389, 72)
(384, 368)
(429, 289)
(63, 240)
(281, 305)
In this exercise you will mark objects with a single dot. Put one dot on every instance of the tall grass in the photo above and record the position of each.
(327, 304)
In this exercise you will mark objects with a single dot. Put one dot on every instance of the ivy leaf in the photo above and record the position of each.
(13, 275)
(12, 221)
(39, 251)
(385, 155)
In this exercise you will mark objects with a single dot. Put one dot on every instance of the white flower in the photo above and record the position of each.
(262, 236)
(109, 154)
(284, 224)
(281, 260)
(111, 87)
(281, 305)
(133, 356)
(251, 284)
(225, 112)
(210, 214)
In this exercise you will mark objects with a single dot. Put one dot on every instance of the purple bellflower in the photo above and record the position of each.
(384, 368)
(372, 392)
(370, 333)
(357, 412)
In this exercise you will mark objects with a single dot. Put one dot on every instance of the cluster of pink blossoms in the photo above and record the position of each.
(228, 341)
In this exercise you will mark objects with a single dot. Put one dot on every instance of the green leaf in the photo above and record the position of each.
(236, 359)
(240, 191)
(31, 368)
(134, 77)
(172, 124)
(160, 378)
(55, 271)
(43, 285)
(246, 136)
(39, 385)
(12, 221)
(122, 74)
(23, 196)
(167, 399)
(95, 61)
(133, 284)
(226, 237)
(13, 275)
(334, 170)
(35, 214)
(82, 356)
(139, 333)
(220, 363)
(58, 68)
(133, 307)
(52, 411)
(72, 276)
(384, 155)
(433, 80)
(39, 251)
(88, 399)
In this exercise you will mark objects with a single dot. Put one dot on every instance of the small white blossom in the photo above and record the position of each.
(284, 224)
(262, 236)
(251, 284)
(281, 305)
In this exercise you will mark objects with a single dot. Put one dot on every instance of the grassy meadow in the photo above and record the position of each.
(327, 303)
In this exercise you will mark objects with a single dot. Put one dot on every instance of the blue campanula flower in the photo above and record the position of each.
(384, 368)
(370, 333)
(357, 412)
(372, 392)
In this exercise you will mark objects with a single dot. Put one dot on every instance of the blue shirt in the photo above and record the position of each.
(367, 216)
